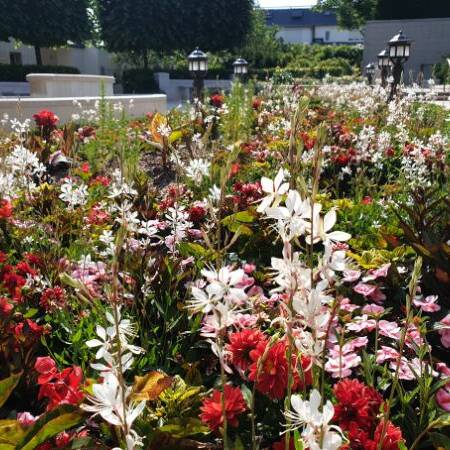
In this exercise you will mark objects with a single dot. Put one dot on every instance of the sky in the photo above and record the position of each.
(287, 3)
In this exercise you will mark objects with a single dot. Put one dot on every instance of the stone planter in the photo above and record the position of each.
(69, 85)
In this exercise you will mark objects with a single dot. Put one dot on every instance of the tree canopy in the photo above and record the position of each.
(164, 26)
(354, 13)
(45, 23)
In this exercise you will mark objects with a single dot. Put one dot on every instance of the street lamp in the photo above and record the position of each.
(240, 67)
(198, 66)
(384, 64)
(399, 49)
(370, 72)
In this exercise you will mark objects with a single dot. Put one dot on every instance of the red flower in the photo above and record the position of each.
(85, 167)
(367, 200)
(97, 216)
(53, 298)
(63, 439)
(5, 307)
(197, 213)
(390, 436)
(58, 387)
(357, 403)
(241, 344)
(212, 408)
(272, 379)
(256, 104)
(100, 180)
(46, 367)
(5, 209)
(46, 119)
(217, 100)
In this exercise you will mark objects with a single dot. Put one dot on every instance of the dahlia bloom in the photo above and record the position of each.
(271, 377)
(46, 119)
(357, 403)
(241, 344)
(211, 409)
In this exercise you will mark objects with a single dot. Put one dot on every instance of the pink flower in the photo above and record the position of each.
(249, 268)
(361, 323)
(341, 365)
(386, 354)
(365, 289)
(373, 309)
(443, 398)
(427, 304)
(381, 272)
(26, 419)
(346, 305)
(443, 369)
(444, 331)
(377, 296)
(389, 329)
(351, 275)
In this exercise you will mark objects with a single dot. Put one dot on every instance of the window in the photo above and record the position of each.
(327, 35)
(15, 58)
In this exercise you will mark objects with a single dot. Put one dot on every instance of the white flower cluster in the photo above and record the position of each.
(72, 194)
(111, 399)
(198, 169)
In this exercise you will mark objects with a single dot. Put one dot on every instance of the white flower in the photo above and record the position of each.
(73, 195)
(322, 226)
(274, 189)
(317, 433)
(198, 169)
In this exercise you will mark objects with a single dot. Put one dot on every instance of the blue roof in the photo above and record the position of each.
(299, 17)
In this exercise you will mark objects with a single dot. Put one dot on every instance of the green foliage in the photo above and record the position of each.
(141, 25)
(442, 70)
(412, 9)
(139, 81)
(7, 386)
(46, 23)
(10, 72)
(352, 14)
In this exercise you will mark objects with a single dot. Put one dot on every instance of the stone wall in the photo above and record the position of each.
(431, 42)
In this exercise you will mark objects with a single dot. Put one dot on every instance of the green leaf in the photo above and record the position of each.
(30, 313)
(10, 434)
(440, 440)
(175, 136)
(50, 424)
(184, 427)
(442, 421)
(298, 440)
(7, 386)
(238, 445)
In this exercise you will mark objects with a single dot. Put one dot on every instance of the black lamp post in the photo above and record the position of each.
(384, 63)
(198, 66)
(240, 67)
(399, 49)
(370, 72)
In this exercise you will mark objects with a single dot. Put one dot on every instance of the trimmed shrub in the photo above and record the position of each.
(139, 81)
(10, 72)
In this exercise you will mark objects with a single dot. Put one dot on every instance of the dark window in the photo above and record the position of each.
(15, 58)
(327, 35)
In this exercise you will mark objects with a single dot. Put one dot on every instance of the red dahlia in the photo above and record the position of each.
(357, 403)
(212, 408)
(241, 344)
(5, 209)
(271, 377)
(46, 119)
(389, 435)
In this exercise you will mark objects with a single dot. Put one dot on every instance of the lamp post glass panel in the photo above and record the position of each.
(384, 64)
(198, 66)
(370, 72)
(399, 49)
(240, 67)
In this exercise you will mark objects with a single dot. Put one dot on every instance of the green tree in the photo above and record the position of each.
(138, 26)
(412, 9)
(262, 48)
(45, 23)
(351, 14)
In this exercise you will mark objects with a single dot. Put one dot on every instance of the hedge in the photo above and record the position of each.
(10, 72)
(139, 81)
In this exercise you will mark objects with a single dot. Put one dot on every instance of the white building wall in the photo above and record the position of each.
(300, 35)
(87, 60)
(337, 35)
(329, 34)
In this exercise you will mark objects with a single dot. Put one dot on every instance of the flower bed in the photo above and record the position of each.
(268, 270)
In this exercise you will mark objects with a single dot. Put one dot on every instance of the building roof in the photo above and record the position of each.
(299, 17)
